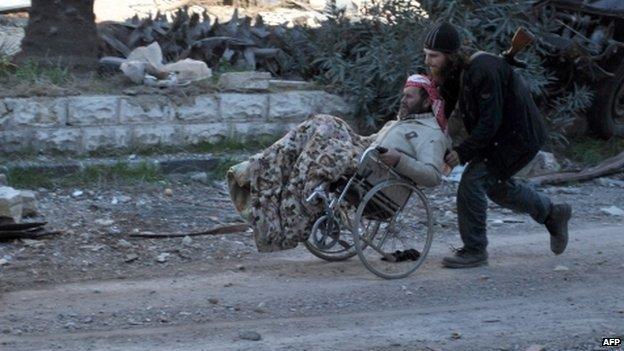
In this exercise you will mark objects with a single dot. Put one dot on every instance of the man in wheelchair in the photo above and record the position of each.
(270, 189)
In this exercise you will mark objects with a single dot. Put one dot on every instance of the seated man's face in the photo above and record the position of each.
(413, 102)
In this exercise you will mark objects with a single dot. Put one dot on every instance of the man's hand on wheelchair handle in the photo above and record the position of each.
(391, 157)
(451, 158)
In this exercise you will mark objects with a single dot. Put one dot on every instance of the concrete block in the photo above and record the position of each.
(154, 135)
(242, 81)
(15, 141)
(201, 108)
(106, 138)
(33, 112)
(193, 134)
(11, 203)
(243, 107)
(58, 140)
(146, 109)
(298, 105)
(93, 110)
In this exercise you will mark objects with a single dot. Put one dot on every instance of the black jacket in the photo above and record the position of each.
(505, 127)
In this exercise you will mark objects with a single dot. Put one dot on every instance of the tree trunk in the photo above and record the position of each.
(61, 33)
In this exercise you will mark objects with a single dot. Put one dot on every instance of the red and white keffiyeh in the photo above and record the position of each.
(437, 104)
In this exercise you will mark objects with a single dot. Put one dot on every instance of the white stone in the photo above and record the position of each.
(202, 108)
(241, 81)
(106, 138)
(243, 107)
(29, 203)
(77, 193)
(193, 134)
(187, 241)
(104, 222)
(163, 257)
(93, 110)
(34, 112)
(58, 140)
(542, 163)
(154, 135)
(561, 268)
(145, 109)
(613, 211)
(11, 203)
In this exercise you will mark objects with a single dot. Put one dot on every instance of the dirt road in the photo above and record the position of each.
(297, 302)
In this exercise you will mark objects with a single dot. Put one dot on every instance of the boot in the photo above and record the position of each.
(464, 258)
(557, 225)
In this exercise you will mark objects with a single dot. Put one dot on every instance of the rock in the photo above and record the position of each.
(535, 347)
(124, 243)
(29, 203)
(613, 211)
(250, 335)
(213, 300)
(124, 199)
(240, 267)
(77, 193)
(3, 179)
(542, 163)
(93, 248)
(163, 257)
(114, 201)
(33, 243)
(241, 81)
(561, 268)
(4, 262)
(131, 257)
(104, 222)
(609, 182)
(168, 192)
(11, 204)
(187, 241)
(201, 177)
(456, 335)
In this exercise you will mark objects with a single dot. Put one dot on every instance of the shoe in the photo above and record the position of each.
(400, 256)
(464, 258)
(557, 225)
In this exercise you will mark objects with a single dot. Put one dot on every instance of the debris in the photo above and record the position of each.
(543, 163)
(104, 222)
(226, 229)
(77, 193)
(561, 269)
(163, 257)
(535, 347)
(213, 300)
(124, 243)
(613, 211)
(609, 182)
(240, 267)
(168, 192)
(11, 230)
(611, 165)
(250, 335)
(456, 335)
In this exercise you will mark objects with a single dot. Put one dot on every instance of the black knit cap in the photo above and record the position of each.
(443, 37)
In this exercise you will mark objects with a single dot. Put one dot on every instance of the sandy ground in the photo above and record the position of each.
(96, 288)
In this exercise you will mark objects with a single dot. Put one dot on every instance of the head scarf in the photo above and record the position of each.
(437, 104)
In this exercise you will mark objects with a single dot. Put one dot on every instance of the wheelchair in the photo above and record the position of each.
(376, 214)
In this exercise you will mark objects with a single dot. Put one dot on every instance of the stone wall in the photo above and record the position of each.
(83, 124)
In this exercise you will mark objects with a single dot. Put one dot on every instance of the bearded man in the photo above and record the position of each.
(505, 131)
(269, 190)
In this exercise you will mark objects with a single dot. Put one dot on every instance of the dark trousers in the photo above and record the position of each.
(477, 183)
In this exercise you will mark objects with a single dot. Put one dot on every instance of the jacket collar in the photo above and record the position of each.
(426, 119)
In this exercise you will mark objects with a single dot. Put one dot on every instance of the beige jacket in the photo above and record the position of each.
(422, 144)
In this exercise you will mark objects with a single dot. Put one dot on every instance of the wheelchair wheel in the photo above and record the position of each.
(330, 239)
(403, 235)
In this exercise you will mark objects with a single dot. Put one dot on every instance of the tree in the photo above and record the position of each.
(61, 32)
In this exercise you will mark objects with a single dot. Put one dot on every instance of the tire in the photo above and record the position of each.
(338, 244)
(411, 227)
(606, 117)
